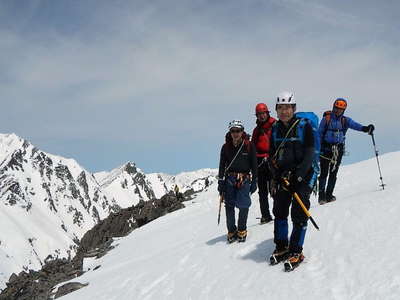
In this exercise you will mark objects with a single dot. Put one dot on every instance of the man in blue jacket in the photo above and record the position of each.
(332, 130)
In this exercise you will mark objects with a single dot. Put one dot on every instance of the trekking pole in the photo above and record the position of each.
(377, 160)
(286, 182)
(221, 200)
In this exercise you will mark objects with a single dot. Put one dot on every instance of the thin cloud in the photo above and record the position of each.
(181, 75)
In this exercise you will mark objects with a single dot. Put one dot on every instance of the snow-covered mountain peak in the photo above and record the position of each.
(9, 143)
(127, 184)
(106, 178)
(47, 204)
(191, 182)
(10, 139)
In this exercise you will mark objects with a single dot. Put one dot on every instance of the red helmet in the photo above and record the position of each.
(340, 103)
(261, 107)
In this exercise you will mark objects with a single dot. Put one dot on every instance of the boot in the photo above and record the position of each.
(279, 254)
(293, 261)
(322, 198)
(266, 220)
(330, 198)
(232, 237)
(241, 236)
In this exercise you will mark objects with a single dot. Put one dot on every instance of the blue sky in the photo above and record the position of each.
(156, 82)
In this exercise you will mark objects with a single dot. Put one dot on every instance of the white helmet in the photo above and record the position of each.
(236, 124)
(285, 98)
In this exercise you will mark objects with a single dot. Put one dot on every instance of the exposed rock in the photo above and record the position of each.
(69, 288)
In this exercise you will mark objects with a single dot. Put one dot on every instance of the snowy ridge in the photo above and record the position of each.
(186, 181)
(354, 256)
(47, 204)
(127, 183)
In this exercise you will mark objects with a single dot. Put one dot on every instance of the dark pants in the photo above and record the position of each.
(240, 198)
(328, 168)
(282, 201)
(263, 187)
(237, 197)
(230, 218)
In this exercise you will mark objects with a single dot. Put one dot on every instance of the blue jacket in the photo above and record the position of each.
(334, 132)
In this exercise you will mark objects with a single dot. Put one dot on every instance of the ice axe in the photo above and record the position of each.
(221, 200)
(287, 184)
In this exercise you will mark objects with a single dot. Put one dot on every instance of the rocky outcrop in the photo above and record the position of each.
(47, 283)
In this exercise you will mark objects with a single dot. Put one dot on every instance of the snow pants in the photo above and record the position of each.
(282, 201)
(263, 188)
(230, 219)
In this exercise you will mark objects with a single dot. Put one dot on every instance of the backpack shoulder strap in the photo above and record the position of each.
(234, 158)
(248, 145)
(300, 129)
(327, 117)
(284, 139)
(274, 128)
(344, 122)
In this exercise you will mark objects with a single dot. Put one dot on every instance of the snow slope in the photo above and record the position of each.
(184, 254)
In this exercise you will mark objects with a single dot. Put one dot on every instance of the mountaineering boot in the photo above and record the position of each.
(231, 237)
(266, 220)
(322, 198)
(241, 236)
(330, 198)
(279, 254)
(293, 261)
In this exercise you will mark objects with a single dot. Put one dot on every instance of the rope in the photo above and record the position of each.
(334, 159)
(285, 138)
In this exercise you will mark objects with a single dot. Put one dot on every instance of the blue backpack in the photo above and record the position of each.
(312, 119)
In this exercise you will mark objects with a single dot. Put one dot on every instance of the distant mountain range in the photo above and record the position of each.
(48, 202)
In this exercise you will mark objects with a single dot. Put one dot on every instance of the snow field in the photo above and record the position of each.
(184, 255)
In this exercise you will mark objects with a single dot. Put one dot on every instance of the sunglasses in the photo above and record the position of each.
(236, 130)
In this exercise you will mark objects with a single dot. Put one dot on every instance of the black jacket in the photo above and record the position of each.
(245, 162)
(297, 153)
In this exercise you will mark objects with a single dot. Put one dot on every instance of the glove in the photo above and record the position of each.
(369, 129)
(221, 186)
(253, 186)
